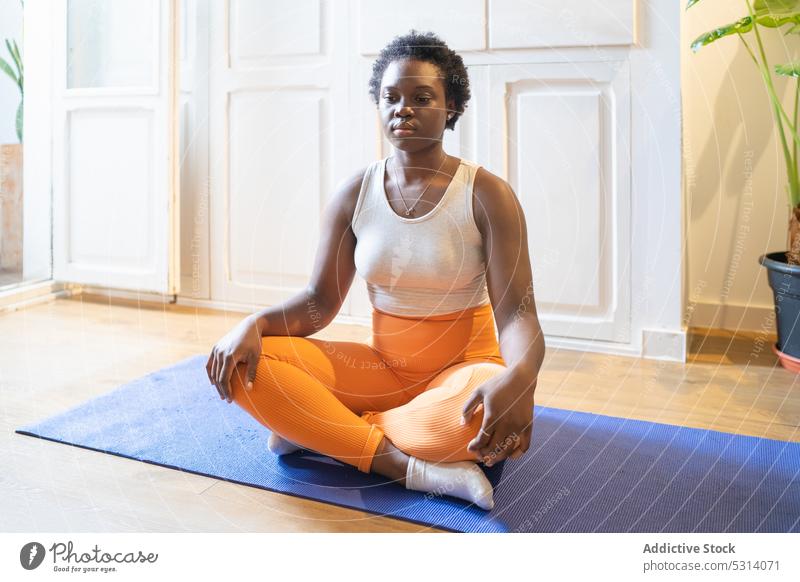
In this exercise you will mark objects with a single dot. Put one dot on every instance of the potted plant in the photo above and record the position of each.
(11, 172)
(783, 267)
(16, 74)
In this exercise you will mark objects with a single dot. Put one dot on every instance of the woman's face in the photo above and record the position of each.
(412, 95)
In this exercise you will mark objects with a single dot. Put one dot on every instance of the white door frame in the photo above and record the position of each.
(115, 179)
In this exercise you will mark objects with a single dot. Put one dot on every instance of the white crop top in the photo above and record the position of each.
(429, 265)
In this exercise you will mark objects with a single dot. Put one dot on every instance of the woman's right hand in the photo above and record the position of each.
(241, 344)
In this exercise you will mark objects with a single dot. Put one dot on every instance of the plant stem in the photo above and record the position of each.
(791, 159)
(749, 50)
(780, 115)
(795, 196)
(765, 72)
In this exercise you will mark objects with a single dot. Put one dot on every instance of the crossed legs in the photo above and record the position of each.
(342, 400)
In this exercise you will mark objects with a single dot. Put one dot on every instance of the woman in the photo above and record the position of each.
(442, 245)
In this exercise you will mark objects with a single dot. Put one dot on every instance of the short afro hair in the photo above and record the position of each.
(426, 47)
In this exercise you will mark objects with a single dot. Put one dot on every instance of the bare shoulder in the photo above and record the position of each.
(494, 200)
(345, 195)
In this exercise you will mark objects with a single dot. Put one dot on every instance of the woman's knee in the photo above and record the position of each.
(461, 380)
(265, 380)
(271, 349)
(278, 347)
(238, 380)
(483, 371)
(309, 355)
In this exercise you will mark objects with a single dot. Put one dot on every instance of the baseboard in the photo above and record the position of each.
(733, 317)
(662, 344)
(656, 345)
(145, 296)
(26, 295)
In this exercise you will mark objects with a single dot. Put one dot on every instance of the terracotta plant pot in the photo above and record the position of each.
(11, 207)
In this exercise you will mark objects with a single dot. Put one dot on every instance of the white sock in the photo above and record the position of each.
(462, 479)
(280, 446)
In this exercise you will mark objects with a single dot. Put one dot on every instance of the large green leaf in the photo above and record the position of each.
(767, 6)
(776, 21)
(775, 13)
(789, 69)
(770, 15)
(776, 7)
(740, 26)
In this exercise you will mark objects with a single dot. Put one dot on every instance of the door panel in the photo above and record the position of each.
(280, 135)
(115, 182)
(560, 136)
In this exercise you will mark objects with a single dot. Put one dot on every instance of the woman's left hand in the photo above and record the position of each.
(507, 416)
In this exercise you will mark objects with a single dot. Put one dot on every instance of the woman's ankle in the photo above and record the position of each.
(390, 461)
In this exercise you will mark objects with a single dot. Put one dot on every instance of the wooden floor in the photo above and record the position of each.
(57, 355)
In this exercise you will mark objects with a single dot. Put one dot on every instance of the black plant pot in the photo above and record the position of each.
(785, 282)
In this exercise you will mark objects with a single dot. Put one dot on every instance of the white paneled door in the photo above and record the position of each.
(115, 184)
(281, 138)
(560, 134)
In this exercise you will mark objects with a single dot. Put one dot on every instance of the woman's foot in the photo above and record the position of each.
(462, 479)
(280, 446)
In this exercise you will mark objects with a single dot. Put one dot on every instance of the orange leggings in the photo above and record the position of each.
(409, 382)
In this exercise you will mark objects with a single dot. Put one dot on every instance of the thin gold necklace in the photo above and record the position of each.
(411, 209)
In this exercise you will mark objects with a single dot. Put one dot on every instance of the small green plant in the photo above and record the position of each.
(773, 14)
(16, 75)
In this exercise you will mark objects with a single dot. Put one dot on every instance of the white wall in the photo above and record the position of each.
(10, 28)
(37, 176)
(732, 218)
